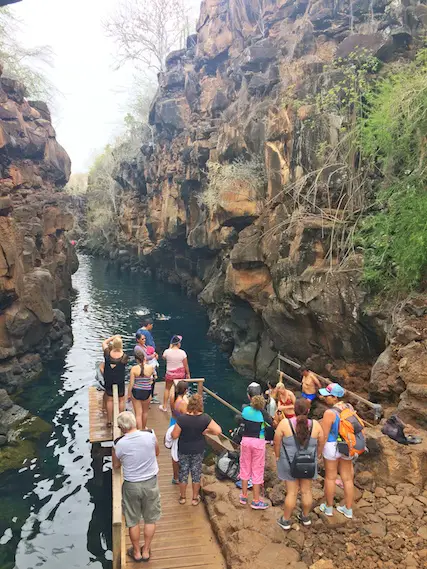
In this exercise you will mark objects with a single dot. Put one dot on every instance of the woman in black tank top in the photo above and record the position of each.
(114, 371)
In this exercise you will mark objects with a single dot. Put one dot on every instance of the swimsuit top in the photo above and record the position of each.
(287, 402)
(143, 382)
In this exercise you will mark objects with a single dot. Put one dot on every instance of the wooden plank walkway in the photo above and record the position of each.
(184, 537)
(98, 430)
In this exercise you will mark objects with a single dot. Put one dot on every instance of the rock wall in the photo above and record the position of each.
(36, 259)
(256, 254)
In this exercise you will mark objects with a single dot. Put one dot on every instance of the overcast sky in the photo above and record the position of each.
(90, 109)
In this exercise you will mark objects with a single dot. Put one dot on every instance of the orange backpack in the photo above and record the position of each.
(351, 439)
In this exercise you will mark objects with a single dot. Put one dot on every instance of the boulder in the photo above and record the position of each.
(38, 293)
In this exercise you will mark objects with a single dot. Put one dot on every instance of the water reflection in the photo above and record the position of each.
(54, 512)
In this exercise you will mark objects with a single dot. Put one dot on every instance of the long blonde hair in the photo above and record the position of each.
(117, 344)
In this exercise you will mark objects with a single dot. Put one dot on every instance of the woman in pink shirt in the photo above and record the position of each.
(176, 367)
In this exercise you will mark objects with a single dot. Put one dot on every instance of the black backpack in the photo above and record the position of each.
(304, 462)
(227, 466)
(394, 428)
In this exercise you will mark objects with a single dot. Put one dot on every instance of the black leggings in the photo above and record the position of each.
(153, 386)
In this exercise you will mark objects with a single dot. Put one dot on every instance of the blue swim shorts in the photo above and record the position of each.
(309, 396)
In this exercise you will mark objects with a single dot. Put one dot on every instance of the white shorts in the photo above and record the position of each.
(330, 452)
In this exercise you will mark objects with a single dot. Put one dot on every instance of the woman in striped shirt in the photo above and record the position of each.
(141, 381)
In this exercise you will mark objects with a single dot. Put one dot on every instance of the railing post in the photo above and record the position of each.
(200, 387)
(117, 492)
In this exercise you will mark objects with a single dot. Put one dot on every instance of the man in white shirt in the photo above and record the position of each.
(136, 452)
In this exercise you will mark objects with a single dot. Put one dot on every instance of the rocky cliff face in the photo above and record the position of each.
(232, 108)
(36, 259)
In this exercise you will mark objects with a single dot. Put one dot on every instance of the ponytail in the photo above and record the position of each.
(302, 407)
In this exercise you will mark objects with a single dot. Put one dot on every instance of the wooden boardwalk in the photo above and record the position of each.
(98, 430)
(184, 538)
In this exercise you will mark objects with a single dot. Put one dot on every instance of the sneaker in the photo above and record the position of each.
(284, 524)
(155, 401)
(260, 505)
(162, 408)
(347, 512)
(305, 520)
(327, 510)
(243, 500)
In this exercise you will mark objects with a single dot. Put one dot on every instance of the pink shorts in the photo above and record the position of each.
(252, 460)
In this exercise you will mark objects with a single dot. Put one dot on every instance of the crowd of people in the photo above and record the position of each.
(275, 415)
(300, 443)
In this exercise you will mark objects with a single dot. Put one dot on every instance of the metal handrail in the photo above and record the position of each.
(378, 410)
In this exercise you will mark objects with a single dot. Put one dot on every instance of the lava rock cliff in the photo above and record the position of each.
(259, 259)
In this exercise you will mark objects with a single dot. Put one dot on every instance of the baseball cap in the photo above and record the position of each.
(334, 389)
(176, 339)
(254, 389)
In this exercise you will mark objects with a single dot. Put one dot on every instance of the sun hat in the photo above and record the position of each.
(149, 350)
(334, 389)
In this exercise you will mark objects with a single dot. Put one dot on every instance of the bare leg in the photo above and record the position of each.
(144, 410)
(292, 488)
(306, 496)
(109, 406)
(137, 408)
(149, 531)
(168, 385)
(331, 472)
(122, 404)
(256, 490)
(183, 489)
(347, 476)
(175, 468)
(244, 487)
(196, 490)
(134, 534)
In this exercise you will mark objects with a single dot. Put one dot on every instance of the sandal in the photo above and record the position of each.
(196, 501)
(130, 553)
(145, 559)
(182, 500)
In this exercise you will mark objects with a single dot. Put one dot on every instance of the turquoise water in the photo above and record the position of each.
(53, 512)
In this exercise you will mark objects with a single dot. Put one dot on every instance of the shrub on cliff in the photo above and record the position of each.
(393, 136)
(225, 179)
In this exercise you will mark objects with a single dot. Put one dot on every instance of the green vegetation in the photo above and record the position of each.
(24, 445)
(393, 137)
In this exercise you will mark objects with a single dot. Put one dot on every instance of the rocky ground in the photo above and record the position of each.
(388, 531)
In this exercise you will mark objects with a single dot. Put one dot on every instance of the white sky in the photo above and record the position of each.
(90, 109)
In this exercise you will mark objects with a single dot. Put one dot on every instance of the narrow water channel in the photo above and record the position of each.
(53, 512)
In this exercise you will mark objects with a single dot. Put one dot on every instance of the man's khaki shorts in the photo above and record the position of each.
(141, 501)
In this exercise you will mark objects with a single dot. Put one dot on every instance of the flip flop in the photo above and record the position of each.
(413, 439)
(182, 500)
(196, 501)
(131, 555)
(144, 559)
